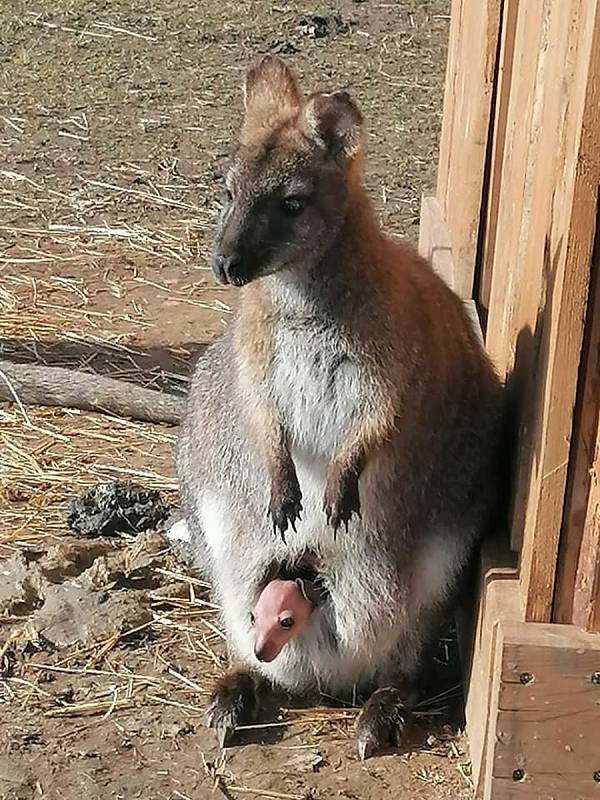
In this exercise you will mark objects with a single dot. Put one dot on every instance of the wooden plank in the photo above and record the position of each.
(571, 238)
(472, 52)
(545, 734)
(541, 263)
(508, 27)
(497, 599)
(510, 342)
(559, 788)
(434, 245)
(533, 703)
(434, 242)
(577, 597)
(487, 782)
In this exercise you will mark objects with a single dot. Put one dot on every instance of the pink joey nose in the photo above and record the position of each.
(265, 653)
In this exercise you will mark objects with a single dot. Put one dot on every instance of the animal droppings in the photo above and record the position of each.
(119, 508)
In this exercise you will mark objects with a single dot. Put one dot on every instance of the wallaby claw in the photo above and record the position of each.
(222, 720)
(367, 746)
(276, 526)
(224, 733)
(339, 509)
(285, 507)
(342, 498)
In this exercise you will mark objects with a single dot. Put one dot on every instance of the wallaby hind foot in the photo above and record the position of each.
(382, 721)
(235, 700)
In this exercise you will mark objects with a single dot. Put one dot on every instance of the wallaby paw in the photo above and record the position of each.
(285, 506)
(341, 499)
(381, 723)
(233, 702)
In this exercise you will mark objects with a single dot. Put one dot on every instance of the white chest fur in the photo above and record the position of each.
(317, 386)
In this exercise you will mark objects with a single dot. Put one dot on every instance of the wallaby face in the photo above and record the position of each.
(287, 189)
(281, 613)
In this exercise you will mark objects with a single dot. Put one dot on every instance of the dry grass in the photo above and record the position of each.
(43, 463)
(66, 235)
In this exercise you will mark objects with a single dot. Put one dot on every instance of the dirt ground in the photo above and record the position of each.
(116, 121)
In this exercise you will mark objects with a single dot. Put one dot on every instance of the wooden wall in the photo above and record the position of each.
(518, 184)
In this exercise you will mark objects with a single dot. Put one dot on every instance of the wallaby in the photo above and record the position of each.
(349, 395)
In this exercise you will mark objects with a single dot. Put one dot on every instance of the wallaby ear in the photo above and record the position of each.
(271, 94)
(334, 122)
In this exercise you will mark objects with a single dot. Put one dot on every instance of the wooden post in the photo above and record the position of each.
(494, 602)
(434, 243)
(472, 52)
(533, 693)
(533, 687)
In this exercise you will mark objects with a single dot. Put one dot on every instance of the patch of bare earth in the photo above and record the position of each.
(115, 123)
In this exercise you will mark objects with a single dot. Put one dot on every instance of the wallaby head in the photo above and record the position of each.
(289, 185)
(281, 613)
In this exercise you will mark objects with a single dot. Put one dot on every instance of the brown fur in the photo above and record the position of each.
(399, 292)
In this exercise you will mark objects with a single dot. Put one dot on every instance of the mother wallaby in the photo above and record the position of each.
(348, 405)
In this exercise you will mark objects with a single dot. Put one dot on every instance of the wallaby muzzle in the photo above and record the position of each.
(228, 269)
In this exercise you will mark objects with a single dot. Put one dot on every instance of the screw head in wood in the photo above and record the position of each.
(525, 678)
(596, 678)
(518, 775)
(597, 776)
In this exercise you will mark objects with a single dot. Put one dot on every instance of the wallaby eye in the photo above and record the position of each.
(252, 620)
(287, 622)
(293, 206)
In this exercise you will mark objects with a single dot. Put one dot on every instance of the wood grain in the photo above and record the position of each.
(497, 600)
(547, 726)
(472, 53)
(493, 180)
(577, 597)
(434, 240)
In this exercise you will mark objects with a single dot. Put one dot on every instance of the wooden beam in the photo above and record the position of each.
(532, 709)
(509, 332)
(472, 51)
(542, 256)
(434, 242)
(434, 245)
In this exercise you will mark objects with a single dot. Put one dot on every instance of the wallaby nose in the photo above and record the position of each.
(265, 652)
(226, 268)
